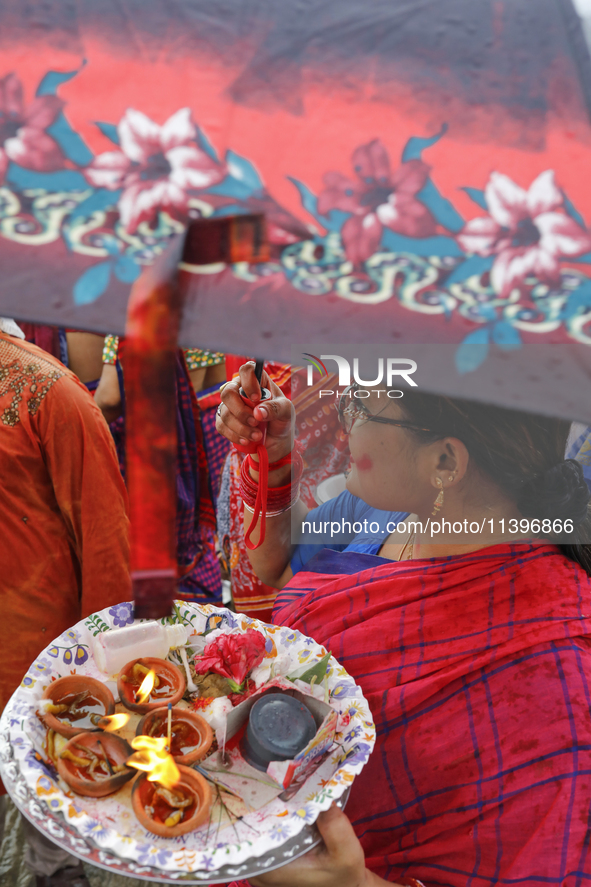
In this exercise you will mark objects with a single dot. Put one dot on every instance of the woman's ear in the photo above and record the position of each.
(450, 462)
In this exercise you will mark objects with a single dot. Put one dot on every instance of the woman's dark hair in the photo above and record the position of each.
(521, 452)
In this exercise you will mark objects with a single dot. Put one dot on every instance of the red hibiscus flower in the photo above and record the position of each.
(23, 138)
(378, 199)
(233, 656)
(156, 167)
(527, 232)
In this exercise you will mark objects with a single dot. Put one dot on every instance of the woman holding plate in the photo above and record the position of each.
(472, 648)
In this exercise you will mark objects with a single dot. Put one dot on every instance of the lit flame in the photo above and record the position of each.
(146, 687)
(154, 760)
(113, 722)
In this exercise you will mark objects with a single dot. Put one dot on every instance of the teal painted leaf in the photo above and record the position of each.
(111, 244)
(506, 336)
(54, 79)
(73, 146)
(109, 130)
(92, 284)
(578, 301)
(473, 350)
(231, 209)
(63, 180)
(573, 211)
(445, 213)
(487, 312)
(473, 265)
(231, 187)
(336, 218)
(244, 171)
(206, 145)
(477, 196)
(308, 198)
(98, 200)
(440, 245)
(416, 145)
(127, 269)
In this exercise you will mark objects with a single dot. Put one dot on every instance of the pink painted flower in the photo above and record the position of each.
(528, 232)
(156, 167)
(23, 136)
(378, 199)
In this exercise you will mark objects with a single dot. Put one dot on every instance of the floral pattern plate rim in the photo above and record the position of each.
(69, 839)
(109, 835)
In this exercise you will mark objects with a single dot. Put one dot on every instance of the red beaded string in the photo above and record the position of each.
(264, 500)
(260, 502)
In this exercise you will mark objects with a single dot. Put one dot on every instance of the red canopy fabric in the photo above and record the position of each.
(434, 154)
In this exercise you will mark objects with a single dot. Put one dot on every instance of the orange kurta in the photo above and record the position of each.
(64, 530)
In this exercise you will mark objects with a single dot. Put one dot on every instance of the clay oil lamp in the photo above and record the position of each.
(149, 683)
(190, 734)
(75, 704)
(168, 800)
(93, 764)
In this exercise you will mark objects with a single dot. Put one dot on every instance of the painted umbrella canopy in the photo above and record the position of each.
(422, 167)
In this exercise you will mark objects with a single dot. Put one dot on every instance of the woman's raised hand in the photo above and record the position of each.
(239, 424)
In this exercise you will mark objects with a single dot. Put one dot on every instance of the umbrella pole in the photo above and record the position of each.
(151, 336)
(153, 319)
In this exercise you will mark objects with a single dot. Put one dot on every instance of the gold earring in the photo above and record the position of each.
(438, 504)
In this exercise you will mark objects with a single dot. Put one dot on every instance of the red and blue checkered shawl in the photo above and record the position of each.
(476, 670)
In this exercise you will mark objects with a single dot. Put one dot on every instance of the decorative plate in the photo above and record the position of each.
(266, 834)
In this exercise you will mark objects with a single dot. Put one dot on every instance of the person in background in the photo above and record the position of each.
(326, 454)
(472, 650)
(82, 353)
(49, 338)
(199, 457)
(64, 546)
(78, 350)
(579, 448)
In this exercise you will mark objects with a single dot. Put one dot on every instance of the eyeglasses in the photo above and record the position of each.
(349, 411)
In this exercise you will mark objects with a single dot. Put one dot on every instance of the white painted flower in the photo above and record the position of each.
(156, 167)
(528, 232)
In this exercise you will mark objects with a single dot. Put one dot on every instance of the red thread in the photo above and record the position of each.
(262, 499)
(260, 503)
